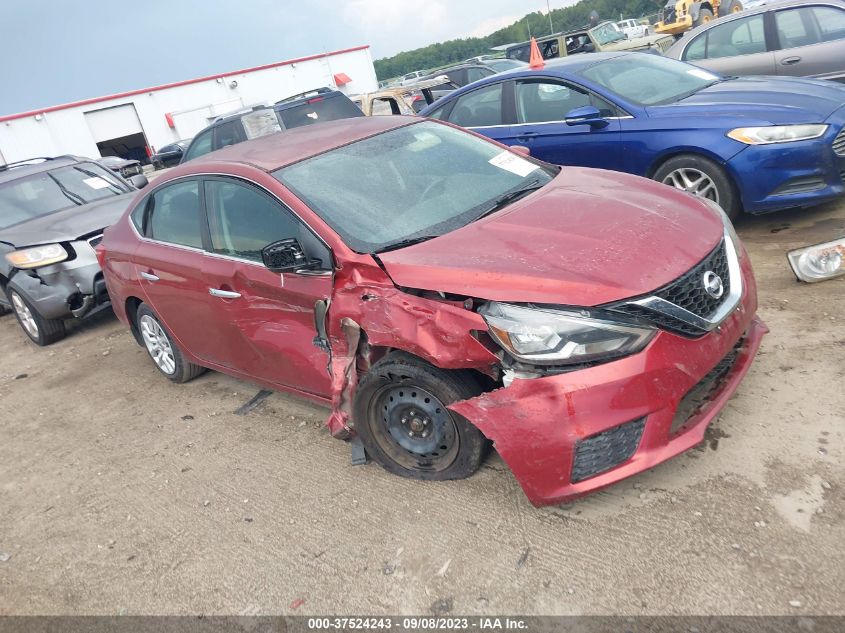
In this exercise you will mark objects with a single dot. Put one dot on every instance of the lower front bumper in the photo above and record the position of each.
(789, 175)
(537, 425)
(60, 291)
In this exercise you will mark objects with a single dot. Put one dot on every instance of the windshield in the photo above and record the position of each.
(423, 179)
(50, 191)
(650, 79)
(607, 33)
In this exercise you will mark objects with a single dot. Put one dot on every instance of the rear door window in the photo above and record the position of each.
(794, 27)
(173, 214)
(831, 21)
(479, 108)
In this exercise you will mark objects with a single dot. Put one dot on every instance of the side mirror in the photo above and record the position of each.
(585, 115)
(179, 150)
(521, 150)
(285, 256)
(139, 181)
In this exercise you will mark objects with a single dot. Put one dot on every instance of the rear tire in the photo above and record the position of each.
(163, 351)
(701, 177)
(40, 330)
(704, 16)
(401, 417)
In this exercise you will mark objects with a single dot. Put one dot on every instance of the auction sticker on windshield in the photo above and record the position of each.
(513, 163)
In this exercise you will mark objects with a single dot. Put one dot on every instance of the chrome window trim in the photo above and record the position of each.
(662, 306)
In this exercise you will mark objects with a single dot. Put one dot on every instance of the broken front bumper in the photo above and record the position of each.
(566, 435)
(71, 288)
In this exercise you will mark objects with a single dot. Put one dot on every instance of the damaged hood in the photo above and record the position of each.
(68, 224)
(588, 237)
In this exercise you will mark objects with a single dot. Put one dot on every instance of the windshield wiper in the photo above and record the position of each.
(73, 197)
(510, 196)
(403, 243)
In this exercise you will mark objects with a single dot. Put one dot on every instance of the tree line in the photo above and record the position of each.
(536, 23)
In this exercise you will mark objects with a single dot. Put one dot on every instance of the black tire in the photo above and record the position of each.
(730, 7)
(457, 447)
(726, 197)
(40, 330)
(704, 16)
(182, 370)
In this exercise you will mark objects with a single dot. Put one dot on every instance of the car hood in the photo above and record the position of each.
(633, 44)
(68, 224)
(587, 238)
(773, 100)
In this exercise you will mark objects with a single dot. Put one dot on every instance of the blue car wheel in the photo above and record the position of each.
(701, 177)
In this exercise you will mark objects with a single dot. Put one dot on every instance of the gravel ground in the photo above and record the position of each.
(123, 493)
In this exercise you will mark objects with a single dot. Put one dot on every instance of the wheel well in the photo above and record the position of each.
(132, 304)
(659, 162)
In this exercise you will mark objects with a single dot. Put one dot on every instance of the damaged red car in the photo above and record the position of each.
(443, 293)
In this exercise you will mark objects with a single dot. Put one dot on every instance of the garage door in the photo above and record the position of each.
(116, 122)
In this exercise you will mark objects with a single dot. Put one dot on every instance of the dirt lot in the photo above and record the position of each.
(123, 493)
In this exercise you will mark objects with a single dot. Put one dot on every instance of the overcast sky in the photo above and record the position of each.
(56, 51)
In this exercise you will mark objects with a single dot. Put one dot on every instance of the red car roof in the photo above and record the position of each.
(283, 148)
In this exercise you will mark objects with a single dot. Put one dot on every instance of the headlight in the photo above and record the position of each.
(777, 133)
(557, 337)
(37, 256)
(819, 262)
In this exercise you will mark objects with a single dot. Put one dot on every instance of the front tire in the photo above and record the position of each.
(401, 417)
(165, 354)
(701, 177)
(40, 330)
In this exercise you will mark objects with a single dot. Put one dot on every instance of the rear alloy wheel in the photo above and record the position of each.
(161, 348)
(40, 330)
(402, 420)
(701, 177)
(704, 16)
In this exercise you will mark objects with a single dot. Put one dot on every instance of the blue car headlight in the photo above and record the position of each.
(777, 133)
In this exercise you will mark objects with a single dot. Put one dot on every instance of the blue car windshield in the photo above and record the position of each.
(650, 79)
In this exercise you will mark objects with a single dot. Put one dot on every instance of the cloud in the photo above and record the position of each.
(485, 27)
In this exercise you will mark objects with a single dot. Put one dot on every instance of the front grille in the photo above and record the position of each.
(601, 452)
(704, 390)
(686, 292)
(839, 143)
(93, 241)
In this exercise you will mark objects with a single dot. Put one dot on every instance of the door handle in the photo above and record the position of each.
(788, 61)
(526, 136)
(149, 276)
(224, 294)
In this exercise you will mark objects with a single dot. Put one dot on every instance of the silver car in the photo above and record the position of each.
(797, 38)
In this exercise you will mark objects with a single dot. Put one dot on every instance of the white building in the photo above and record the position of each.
(130, 124)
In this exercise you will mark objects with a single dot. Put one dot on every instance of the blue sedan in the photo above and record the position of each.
(753, 143)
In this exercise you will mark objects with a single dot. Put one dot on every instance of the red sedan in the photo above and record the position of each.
(441, 292)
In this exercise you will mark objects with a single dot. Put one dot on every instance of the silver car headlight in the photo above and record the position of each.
(819, 262)
(544, 336)
(36, 256)
(777, 133)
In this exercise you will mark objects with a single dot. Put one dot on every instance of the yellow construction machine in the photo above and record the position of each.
(679, 16)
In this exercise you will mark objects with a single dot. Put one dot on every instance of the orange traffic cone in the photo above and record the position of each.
(536, 60)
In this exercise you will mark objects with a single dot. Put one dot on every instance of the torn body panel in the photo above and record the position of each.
(367, 311)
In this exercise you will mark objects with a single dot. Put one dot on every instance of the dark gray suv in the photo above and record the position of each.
(52, 215)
